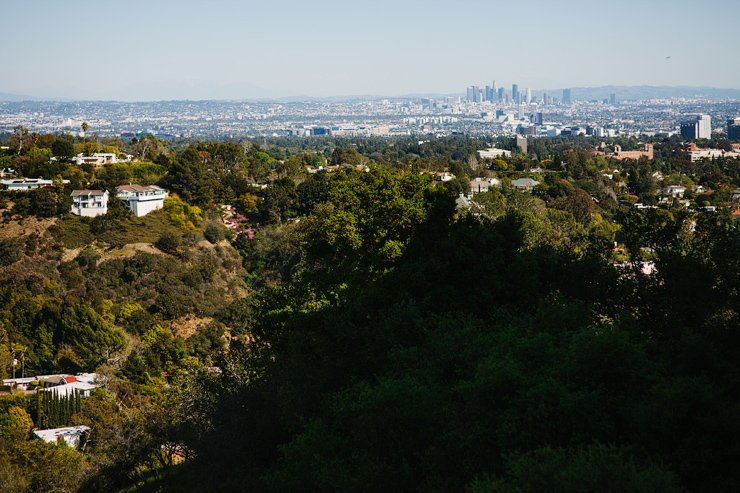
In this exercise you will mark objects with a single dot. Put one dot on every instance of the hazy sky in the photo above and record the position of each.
(385, 47)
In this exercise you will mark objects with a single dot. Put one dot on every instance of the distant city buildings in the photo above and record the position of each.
(490, 111)
(566, 96)
(699, 127)
(733, 129)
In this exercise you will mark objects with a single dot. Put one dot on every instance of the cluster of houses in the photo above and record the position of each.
(91, 203)
(63, 385)
(141, 200)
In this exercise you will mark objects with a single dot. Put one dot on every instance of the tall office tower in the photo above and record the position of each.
(501, 94)
(476, 94)
(495, 90)
(566, 96)
(520, 111)
(515, 93)
(545, 99)
(538, 118)
(529, 95)
(489, 95)
(612, 99)
(471, 95)
(733, 129)
(699, 127)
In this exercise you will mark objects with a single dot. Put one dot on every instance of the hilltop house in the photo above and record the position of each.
(89, 203)
(97, 158)
(22, 184)
(142, 200)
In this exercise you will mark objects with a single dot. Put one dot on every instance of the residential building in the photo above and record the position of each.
(22, 184)
(142, 200)
(674, 191)
(479, 185)
(71, 435)
(89, 203)
(99, 158)
(526, 184)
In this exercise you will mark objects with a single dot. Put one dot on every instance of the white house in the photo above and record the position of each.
(70, 434)
(97, 159)
(494, 153)
(22, 184)
(674, 190)
(69, 385)
(483, 185)
(89, 203)
(142, 200)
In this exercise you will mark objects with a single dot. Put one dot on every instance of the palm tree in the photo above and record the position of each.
(84, 130)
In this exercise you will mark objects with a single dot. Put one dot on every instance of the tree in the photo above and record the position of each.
(15, 424)
(34, 141)
(375, 215)
(63, 149)
(20, 134)
(84, 126)
(90, 148)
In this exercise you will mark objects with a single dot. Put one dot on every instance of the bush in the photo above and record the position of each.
(169, 243)
(213, 233)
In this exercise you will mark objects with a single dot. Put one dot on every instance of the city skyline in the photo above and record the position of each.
(194, 50)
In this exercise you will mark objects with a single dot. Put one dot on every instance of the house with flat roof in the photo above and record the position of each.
(71, 435)
(23, 184)
(142, 200)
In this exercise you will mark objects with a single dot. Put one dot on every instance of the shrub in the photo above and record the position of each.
(169, 243)
(213, 233)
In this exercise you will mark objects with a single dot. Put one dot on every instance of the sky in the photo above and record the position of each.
(143, 50)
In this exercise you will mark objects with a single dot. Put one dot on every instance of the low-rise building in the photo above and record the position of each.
(493, 153)
(99, 158)
(23, 184)
(526, 184)
(89, 203)
(479, 185)
(71, 435)
(674, 191)
(142, 200)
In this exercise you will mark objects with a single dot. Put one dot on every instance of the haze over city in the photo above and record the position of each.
(141, 51)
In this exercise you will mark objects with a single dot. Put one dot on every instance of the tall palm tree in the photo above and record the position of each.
(84, 130)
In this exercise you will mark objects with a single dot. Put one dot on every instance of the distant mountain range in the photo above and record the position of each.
(196, 90)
